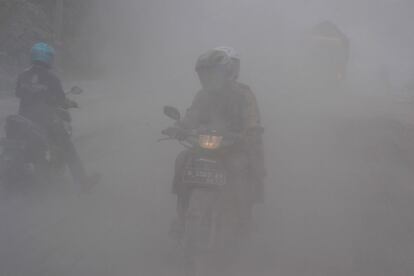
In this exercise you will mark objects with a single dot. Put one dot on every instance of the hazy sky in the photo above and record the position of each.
(173, 33)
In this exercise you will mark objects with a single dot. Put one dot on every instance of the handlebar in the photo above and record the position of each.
(71, 104)
(190, 138)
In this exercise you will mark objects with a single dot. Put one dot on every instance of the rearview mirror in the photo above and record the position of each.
(76, 90)
(172, 112)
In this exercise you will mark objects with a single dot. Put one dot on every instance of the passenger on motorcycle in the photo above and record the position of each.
(226, 102)
(41, 93)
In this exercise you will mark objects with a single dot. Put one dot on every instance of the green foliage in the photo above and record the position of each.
(24, 22)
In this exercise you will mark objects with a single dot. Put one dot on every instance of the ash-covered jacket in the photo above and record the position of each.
(40, 92)
(235, 109)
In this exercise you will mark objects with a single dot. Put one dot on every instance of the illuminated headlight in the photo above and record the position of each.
(210, 142)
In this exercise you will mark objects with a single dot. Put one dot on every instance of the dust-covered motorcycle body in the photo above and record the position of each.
(29, 153)
(204, 187)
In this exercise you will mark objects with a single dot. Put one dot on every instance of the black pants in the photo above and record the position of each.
(63, 141)
(74, 163)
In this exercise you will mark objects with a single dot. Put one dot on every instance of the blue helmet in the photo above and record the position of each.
(43, 53)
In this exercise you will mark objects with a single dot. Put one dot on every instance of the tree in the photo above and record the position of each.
(25, 22)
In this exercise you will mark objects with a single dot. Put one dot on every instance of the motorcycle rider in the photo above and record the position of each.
(40, 93)
(224, 100)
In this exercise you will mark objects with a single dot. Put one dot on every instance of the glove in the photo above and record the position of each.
(175, 132)
(180, 135)
(71, 104)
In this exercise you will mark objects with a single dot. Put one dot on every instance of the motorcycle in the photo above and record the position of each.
(208, 224)
(28, 154)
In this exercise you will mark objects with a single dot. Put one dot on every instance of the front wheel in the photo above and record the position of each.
(200, 231)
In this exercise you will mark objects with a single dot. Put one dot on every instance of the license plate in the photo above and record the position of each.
(204, 173)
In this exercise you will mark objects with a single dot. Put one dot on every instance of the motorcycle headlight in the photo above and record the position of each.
(210, 142)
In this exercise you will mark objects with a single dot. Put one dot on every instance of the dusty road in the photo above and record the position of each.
(339, 199)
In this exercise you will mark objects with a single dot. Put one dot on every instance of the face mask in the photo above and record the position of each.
(213, 79)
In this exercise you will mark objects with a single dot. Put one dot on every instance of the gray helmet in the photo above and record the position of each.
(229, 51)
(221, 56)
